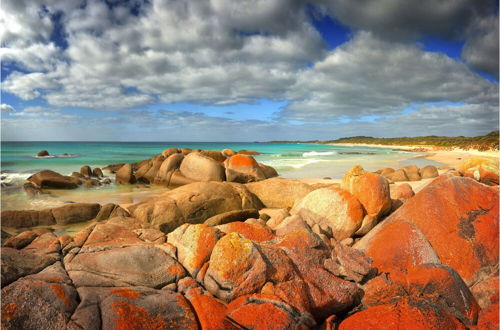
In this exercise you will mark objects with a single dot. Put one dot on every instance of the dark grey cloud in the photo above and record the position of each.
(481, 49)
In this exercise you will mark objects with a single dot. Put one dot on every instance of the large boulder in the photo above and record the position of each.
(429, 171)
(125, 175)
(150, 175)
(202, 168)
(51, 179)
(27, 218)
(167, 168)
(97, 172)
(397, 176)
(243, 169)
(231, 216)
(75, 212)
(484, 170)
(194, 203)
(337, 212)
(457, 216)
(86, 171)
(412, 172)
(372, 191)
(402, 191)
(279, 192)
(170, 151)
(215, 155)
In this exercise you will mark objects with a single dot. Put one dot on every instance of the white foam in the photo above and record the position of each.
(319, 153)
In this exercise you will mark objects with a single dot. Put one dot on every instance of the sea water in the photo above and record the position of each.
(292, 160)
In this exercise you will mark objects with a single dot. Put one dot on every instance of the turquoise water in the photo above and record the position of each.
(19, 161)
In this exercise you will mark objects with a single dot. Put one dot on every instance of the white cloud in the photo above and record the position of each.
(371, 76)
(7, 108)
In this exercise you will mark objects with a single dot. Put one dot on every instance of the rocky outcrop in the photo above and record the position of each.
(194, 203)
(97, 172)
(198, 167)
(52, 180)
(42, 153)
(86, 171)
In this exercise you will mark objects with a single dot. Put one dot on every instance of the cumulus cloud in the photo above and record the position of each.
(372, 76)
(481, 48)
(7, 108)
(128, 54)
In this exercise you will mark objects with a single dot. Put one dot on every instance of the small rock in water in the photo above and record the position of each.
(42, 153)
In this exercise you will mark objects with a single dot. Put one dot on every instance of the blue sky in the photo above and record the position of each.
(225, 70)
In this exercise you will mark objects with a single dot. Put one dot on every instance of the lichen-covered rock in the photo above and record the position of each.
(243, 169)
(194, 245)
(429, 171)
(484, 170)
(402, 191)
(254, 232)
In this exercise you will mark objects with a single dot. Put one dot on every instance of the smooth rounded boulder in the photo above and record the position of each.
(42, 153)
(194, 203)
(243, 169)
(51, 179)
(202, 168)
(168, 166)
(86, 171)
(429, 171)
(279, 192)
(372, 191)
(335, 210)
(397, 176)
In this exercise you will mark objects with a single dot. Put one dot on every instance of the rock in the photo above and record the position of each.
(489, 318)
(429, 171)
(383, 290)
(243, 169)
(457, 216)
(194, 203)
(42, 301)
(125, 175)
(91, 183)
(27, 218)
(132, 308)
(385, 171)
(335, 210)
(397, 246)
(397, 176)
(21, 240)
(77, 175)
(170, 151)
(279, 192)
(152, 172)
(97, 172)
(236, 268)
(228, 152)
(276, 216)
(231, 216)
(185, 151)
(486, 291)
(210, 311)
(269, 171)
(31, 190)
(261, 311)
(42, 153)
(404, 315)
(402, 191)
(372, 191)
(113, 168)
(141, 171)
(75, 212)
(105, 211)
(113, 255)
(86, 171)
(348, 263)
(290, 224)
(215, 155)
(106, 181)
(194, 245)
(484, 170)
(248, 152)
(51, 179)
(201, 168)
(254, 232)
(168, 166)
(412, 172)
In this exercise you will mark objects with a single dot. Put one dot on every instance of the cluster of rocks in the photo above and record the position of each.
(176, 167)
(409, 173)
(47, 179)
(277, 253)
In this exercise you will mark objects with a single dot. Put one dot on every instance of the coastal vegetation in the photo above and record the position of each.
(486, 142)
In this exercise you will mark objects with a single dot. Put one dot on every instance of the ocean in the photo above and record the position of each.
(291, 160)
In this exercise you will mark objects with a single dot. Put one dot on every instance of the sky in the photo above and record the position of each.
(242, 70)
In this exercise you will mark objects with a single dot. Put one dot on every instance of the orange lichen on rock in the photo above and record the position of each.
(9, 312)
(248, 230)
(242, 161)
(129, 317)
(60, 294)
(211, 312)
(176, 270)
(126, 293)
